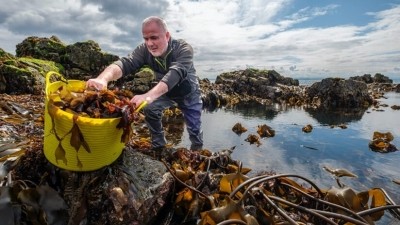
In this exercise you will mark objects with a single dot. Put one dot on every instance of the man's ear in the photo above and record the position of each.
(168, 35)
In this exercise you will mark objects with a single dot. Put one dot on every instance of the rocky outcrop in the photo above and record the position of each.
(377, 78)
(264, 86)
(41, 48)
(25, 72)
(260, 83)
(23, 75)
(138, 83)
(333, 93)
(79, 60)
(83, 60)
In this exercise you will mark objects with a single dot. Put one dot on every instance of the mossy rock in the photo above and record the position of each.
(25, 75)
(42, 48)
(5, 56)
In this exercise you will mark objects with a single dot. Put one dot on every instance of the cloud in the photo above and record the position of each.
(225, 34)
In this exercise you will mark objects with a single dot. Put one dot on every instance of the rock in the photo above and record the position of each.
(138, 83)
(85, 58)
(132, 190)
(24, 75)
(397, 88)
(333, 93)
(265, 84)
(149, 185)
(380, 78)
(367, 78)
(41, 48)
(79, 60)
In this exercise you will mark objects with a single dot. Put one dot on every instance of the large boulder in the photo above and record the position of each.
(265, 84)
(85, 59)
(333, 93)
(24, 75)
(377, 78)
(139, 82)
(41, 48)
(80, 60)
(25, 72)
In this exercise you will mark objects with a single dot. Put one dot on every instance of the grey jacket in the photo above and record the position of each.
(176, 69)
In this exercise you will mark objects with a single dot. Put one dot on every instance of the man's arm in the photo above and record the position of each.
(112, 72)
(116, 70)
(158, 90)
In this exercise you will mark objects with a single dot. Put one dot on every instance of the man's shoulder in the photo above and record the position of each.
(180, 44)
(179, 41)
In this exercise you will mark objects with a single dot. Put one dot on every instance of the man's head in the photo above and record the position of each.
(155, 34)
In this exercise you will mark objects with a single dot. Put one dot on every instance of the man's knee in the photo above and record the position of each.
(152, 112)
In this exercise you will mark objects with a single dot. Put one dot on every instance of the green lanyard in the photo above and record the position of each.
(163, 61)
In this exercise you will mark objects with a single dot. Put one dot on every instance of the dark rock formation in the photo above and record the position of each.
(85, 59)
(333, 93)
(41, 48)
(79, 60)
(260, 83)
(367, 78)
(138, 83)
(266, 86)
(23, 75)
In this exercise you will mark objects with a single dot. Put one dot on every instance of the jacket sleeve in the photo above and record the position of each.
(133, 61)
(179, 68)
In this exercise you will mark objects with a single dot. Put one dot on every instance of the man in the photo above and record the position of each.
(172, 63)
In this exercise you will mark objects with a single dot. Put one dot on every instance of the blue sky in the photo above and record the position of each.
(313, 38)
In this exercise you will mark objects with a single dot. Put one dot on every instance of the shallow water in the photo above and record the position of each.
(293, 151)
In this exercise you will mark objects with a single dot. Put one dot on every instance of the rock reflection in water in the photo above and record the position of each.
(254, 109)
(336, 117)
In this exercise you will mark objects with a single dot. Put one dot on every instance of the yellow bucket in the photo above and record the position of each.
(101, 135)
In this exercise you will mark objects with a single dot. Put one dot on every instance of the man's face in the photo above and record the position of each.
(155, 38)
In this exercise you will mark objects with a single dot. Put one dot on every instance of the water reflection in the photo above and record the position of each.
(256, 110)
(288, 152)
(174, 127)
(336, 117)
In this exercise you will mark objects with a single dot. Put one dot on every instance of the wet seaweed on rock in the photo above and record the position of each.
(253, 139)
(238, 128)
(307, 128)
(275, 198)
(265, 131)
(207, 185)
(381, 142)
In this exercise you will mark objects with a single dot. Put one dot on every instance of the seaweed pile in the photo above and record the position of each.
(210, 187)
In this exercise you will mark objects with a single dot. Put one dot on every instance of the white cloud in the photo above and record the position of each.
(226, 34)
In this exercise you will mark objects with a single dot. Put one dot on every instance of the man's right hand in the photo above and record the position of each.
(96, 83)
(111, 72)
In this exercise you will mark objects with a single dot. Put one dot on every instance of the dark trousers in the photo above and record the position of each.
(191, 107)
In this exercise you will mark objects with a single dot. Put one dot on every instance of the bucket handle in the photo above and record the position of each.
(143, 104)
(48, 76)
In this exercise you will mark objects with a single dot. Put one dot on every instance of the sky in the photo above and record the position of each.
(297, 38)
